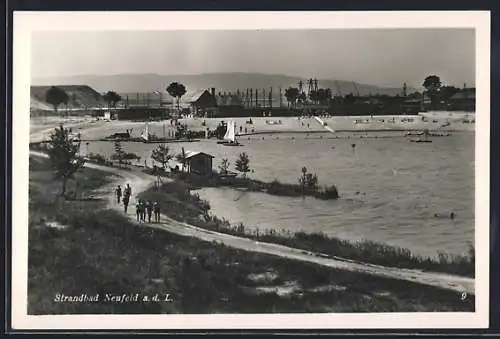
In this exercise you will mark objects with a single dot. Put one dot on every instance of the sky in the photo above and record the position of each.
(384, 57)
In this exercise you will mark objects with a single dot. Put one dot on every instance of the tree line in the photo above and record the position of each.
(57, 96)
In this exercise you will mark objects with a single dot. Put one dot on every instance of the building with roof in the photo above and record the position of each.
(202, 103)
(199, 162)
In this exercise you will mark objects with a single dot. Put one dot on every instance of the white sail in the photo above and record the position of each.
(324, 124)
(230, 132)
(145, 133)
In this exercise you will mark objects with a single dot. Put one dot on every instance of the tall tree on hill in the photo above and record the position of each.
(291, 95)
(432, 85)
(176, 90)
(56, 96)
(64, 156)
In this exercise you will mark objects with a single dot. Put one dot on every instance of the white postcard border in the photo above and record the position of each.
(27, 22)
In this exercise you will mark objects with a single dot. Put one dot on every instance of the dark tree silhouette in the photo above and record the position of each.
(56, 96)
(176, 90)
(112, 98)
(432, 84)
(63, 154)
(308, 181)
(291, 95)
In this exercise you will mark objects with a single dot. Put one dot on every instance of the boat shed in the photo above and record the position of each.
(199, 162)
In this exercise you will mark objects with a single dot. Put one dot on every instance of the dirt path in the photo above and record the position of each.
(141, 181)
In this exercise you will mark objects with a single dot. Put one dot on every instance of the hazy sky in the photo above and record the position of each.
(381, 57)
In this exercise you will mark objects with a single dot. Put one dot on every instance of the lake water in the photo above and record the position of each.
(390, 188)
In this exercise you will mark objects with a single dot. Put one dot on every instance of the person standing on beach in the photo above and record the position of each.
(149, 209)
(156, 208)
(118, 194)
(128, 190)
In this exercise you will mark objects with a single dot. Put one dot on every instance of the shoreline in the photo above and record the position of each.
(320, 244)
(142, 181)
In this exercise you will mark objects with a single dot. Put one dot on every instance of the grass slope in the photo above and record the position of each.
(180, 204)
(100, 251)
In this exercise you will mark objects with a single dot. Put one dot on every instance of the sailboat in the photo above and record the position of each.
(145, 133)
(230, 136)
(425, 139)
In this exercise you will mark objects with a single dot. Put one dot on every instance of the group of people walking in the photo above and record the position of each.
(127, 192)
(142, 208)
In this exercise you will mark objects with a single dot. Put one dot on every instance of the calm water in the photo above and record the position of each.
(401, 186)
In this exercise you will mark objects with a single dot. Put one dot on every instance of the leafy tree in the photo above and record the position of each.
(432, 84)
(303, 178)
(112, 98)
(308, 181)
(56, 96)
(291, 95)
(176, 90)
(182, 158)
(312, 181)
(314, 96)
(302, 98)
(242, 165)
(123, 156)
(224, 166)
(119, 153)
(162, 155)
(63, 154)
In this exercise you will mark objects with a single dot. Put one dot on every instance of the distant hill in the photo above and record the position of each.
(80, 96)
(223, 82)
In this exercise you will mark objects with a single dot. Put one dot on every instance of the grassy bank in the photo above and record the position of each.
(93, 250)
(274, 187)
(181, 205)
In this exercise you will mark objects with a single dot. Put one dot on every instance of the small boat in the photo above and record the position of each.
(425, 134)
(271, 122)
(230, 136)
(414, 133)
(418, 140)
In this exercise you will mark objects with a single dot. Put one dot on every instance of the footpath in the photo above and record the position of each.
(140, 181)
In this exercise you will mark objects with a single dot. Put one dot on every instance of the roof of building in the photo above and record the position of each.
(190, 154)
(193, 96)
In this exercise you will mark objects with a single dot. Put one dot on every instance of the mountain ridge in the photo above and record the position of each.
(222, 82)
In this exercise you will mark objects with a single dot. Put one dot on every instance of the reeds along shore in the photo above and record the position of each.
(201, 277)
(181, 205)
